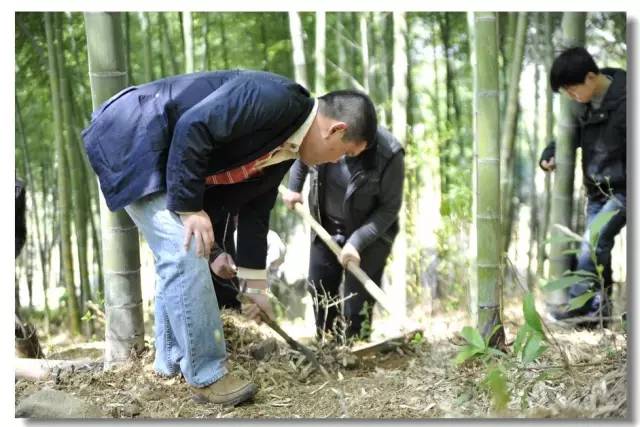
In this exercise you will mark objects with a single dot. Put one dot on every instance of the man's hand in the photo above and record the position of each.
(549, 165)
(290, 198)
(349, 254)
(255, 303)
(198, 225)
(224, 267)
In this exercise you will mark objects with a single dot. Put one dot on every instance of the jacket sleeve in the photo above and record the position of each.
(253, 226)
(236, 109)
(391, 185)
(297, 175)
(21, 223)
(547, 153)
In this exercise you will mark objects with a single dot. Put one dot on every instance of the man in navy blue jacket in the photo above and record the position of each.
(160, 147)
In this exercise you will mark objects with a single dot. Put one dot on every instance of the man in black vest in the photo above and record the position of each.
(599, 113)
(357, 201)
(161, 149)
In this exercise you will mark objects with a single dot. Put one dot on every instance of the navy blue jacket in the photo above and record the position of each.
(172, 133)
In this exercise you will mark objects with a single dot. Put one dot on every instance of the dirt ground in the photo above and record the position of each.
(415, 380)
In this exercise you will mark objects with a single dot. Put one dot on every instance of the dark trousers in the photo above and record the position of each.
(325, 274)
(605, 242)
(226, 292)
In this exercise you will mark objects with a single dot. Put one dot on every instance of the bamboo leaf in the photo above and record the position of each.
(566, 231)
(580, 300)
(473, 337)
(559, 239)
(531, 316)
(585, 273)
(496, 383)
(598, 223)
(466, 353)
(533, 349)
(561, 283)
(521, 338)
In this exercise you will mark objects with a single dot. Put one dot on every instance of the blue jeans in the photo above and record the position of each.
(188, 328)
(604, 244)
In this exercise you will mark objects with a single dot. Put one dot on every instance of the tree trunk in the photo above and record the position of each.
(187, 33)
(297, 44)
(399, 129)
(380, 55)
(509, 130)
(35, 212)
(78, 190)
(548, 60)
(146, 46)
(364, 43)
(573, 34)
(473, 234)
(321, 63)
(167, 45)
(127, 38)
(223, 47)
(265, 41)
(205, 42)
(534, 223)
(124, 329)
(487, 111)
(435, 107)
(63, 184)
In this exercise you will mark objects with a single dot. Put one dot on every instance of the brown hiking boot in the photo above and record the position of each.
(228, 391)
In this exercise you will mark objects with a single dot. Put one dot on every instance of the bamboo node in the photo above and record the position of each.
(107, 74)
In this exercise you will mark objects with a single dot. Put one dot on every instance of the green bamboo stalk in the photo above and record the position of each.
(35, 211)
(320, 55)
(487, 111)
(146, 46)
(399, 97)
(124, 330)
(187, 32)
(544, 228)
(78, 189)
(508, 136)
(297, 50)
(63, 184)
(573, 34)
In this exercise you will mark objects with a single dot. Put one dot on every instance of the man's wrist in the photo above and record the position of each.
(256, 284)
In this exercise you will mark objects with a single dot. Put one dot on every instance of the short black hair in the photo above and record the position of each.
(355, 109)
(571, 68)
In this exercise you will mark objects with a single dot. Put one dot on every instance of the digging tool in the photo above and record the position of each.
(369, 285)
(306, 352)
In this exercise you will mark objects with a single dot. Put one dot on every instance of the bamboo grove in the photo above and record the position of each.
(467, 94)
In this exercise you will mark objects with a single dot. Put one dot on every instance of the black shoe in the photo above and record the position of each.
(587, 316)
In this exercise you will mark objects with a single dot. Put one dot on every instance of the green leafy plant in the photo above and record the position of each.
(530, 340)
(571, 277)
(495, 382)
(476, 345)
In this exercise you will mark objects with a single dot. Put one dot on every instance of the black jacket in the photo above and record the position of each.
(21, 222)
(374, 193)
(602, 134)
(252, 200)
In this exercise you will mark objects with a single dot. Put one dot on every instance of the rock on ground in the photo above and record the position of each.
(56, 404)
